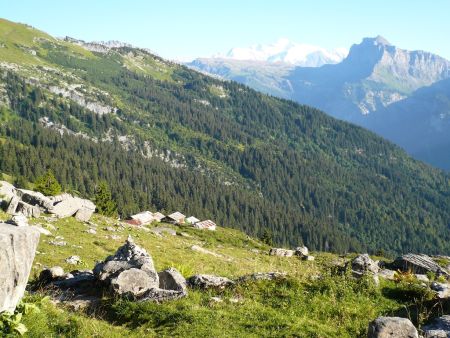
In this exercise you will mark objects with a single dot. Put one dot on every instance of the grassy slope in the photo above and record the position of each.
(298, 307)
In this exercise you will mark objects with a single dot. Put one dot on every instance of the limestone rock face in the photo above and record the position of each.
(18, 220)
(17, 249)
(389, 327)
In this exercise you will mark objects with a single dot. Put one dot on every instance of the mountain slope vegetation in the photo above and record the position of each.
(168, 138)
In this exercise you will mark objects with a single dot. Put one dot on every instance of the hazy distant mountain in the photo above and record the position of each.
(374, 77)
(285, 51)
(420, 123)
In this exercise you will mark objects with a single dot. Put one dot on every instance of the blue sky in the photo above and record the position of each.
(187, 29)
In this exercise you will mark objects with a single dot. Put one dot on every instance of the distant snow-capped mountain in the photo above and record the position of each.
(286, 51)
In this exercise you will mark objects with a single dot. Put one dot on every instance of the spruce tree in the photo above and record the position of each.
(47, 184)
(103, 200)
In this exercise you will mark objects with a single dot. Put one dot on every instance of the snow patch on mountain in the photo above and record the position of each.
(286, 51)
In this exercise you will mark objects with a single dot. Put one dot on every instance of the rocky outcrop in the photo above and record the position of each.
(17, 249)
(302, 251)
(419, 264)
(389, 327)
(439, 327)
(31, 203)
(209, 282)
(129, 273)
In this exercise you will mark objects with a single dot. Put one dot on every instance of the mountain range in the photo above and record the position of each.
(285, 51)
(165, 137)
(375, 78)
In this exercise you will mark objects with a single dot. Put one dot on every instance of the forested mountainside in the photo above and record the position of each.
(166, 137)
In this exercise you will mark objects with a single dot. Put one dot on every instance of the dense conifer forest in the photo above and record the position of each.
(180, 140)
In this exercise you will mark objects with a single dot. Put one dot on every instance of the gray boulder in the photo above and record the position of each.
(14, 202)
(131, 283)
(48, 275)
(161, 295)
(129, 256)
(419, 264)
(34, 198)
(17, 249)
(7, 191)
(66, 205)
(439, 327)
(28, 210)
(172, 279)
(302, 251)
(390, 327)
(364, 264)
(281, 252)
(209, 282)
(18, 220)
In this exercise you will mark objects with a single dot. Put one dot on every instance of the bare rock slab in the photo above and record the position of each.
(17, 249)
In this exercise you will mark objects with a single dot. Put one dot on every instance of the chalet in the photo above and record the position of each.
(158, 217)
(175, 218)
(192, 220)
(208, 224)
(142, 218)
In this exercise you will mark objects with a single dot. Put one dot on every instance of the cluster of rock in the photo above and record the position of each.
(32, 204)
(387, 327)
(131, 273)
(301, 251)
(417, 264)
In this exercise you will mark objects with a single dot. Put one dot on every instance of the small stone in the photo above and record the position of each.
(91, 231)
(74, 260)
(209, 282)
(58, 243)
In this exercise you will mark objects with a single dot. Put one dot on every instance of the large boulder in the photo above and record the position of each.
(128, 257)
(66, 205)
(35, 198)
(439, 327)
(418, 264)
(17, 249)
(172, 279)
(209, 282)
(390, 327)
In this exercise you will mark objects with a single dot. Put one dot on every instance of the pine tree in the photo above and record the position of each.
(103, 200)
(267, 236)
(47, 184)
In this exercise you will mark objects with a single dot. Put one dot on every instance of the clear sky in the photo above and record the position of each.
(183, 29)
